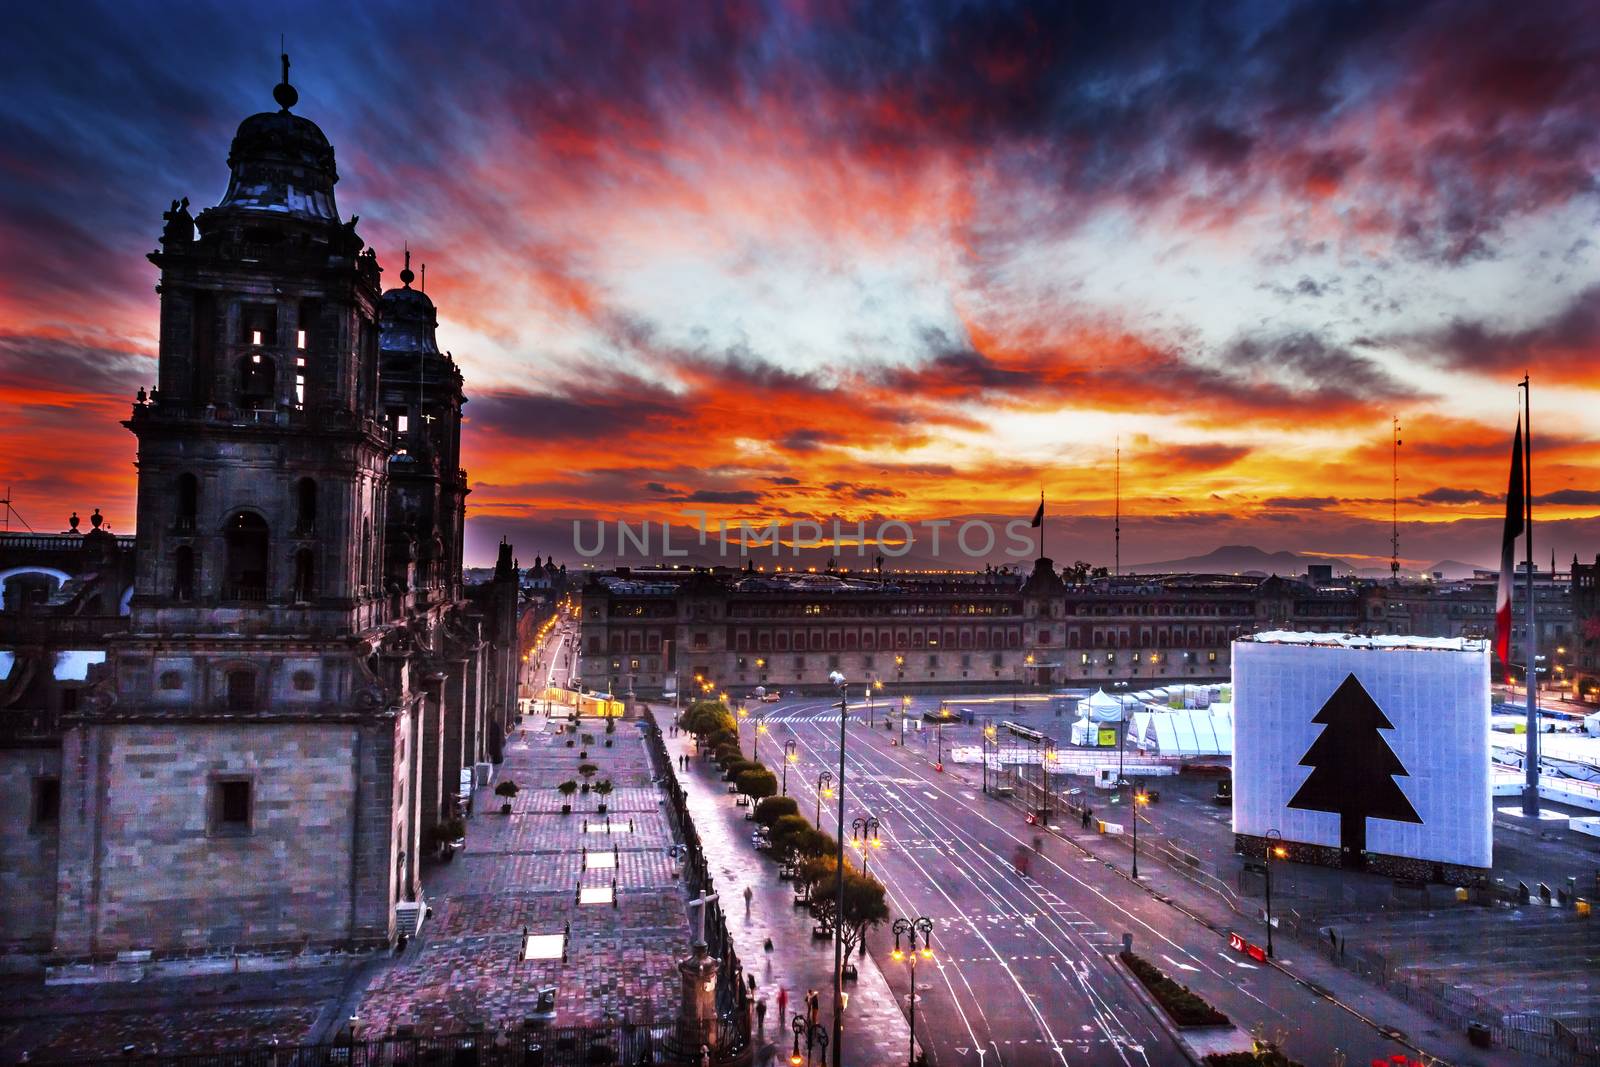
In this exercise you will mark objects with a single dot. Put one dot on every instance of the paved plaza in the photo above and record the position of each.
(523, 872)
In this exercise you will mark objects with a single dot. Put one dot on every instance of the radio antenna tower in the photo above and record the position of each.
(1394, 507)
(1116, 549)
(5, 502)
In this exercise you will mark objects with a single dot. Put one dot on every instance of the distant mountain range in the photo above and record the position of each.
(1247, 559)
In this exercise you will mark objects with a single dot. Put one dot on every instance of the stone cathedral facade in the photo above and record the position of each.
(299, 689)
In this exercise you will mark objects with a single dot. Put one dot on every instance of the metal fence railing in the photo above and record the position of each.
(732, 993)
(1573, 1042)
(620, 1045)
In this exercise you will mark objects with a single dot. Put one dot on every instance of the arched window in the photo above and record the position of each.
(258, 379)
(188, 501)
(305, 499)
(183, 573)
(247, 542)
(305, 575)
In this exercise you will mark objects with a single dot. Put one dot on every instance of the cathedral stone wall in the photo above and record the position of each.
(171, 875)
(27, 852)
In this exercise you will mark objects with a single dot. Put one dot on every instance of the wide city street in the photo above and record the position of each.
(1024, 970)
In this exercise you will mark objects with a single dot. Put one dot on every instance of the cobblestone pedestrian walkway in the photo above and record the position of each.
(524, 872)
(876, 1033)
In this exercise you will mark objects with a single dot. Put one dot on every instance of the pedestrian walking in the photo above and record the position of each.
(761, 1018)
(1087, 815)
(747, 895)
(783, 1004)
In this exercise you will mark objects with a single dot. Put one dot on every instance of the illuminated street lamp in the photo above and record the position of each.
(1140, 798)
(1274, 848)
(816, 1037)
(911, 929)
(789, 757)
(864, 831)
(900, 667)
(824, 789)
(761, 728)
(905, 709)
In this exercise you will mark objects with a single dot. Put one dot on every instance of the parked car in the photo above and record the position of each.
(770, 698)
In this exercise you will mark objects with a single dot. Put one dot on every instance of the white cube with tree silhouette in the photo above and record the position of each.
(1364, 750)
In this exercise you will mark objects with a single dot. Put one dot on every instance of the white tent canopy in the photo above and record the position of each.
(1101, 707)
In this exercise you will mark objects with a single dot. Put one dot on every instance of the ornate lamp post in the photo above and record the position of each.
(905, 709)
(824, 789)
(761, 728)
(839, 683)
(816, 1037)
(738, 723)
(1274, 848)
(876, 686)
(911, 929)
(864, 832)
(789, 757)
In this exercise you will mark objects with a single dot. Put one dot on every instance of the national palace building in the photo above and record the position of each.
(652, 631)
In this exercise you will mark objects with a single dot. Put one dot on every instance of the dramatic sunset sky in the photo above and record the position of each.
(879, 259)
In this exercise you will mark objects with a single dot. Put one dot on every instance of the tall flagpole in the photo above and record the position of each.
(1530, 789)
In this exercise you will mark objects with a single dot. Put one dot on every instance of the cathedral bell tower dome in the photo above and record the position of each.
(282, 163)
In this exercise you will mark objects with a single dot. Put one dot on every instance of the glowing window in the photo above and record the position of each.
(299, 338)
(255, 337)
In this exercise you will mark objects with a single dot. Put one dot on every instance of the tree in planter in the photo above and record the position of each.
(810, 871)
(772, 809)
(706, 717)
(588, 770)
(567, 788)
(786, 831)
(757, 783)
(735, 767)
(604, 789)
(506, 789)
(864, 905)
(445, 836)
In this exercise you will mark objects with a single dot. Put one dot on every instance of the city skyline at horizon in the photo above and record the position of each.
(776, 262)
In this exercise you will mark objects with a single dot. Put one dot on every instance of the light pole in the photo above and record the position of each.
(738, 726)
(864, 831)
(824, 789)
(877, 686)
(839, 683)
(911, 928)
(1273, 849)
(815, 1036)
(1139, 798)
(938, 736)
(761, 728)
(789, 757)
(985, 738)
(905, 709)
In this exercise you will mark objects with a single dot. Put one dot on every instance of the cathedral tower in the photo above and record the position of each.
(244, 773)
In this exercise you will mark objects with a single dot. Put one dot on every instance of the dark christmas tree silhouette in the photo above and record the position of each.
(1353, 768)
